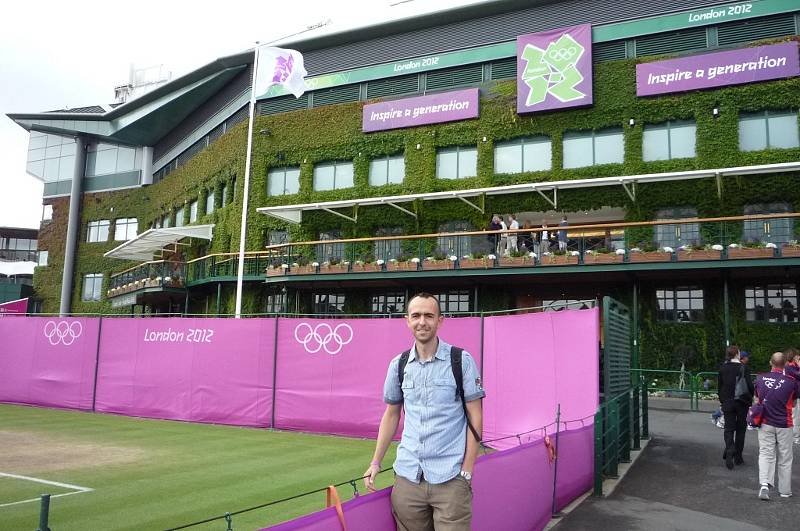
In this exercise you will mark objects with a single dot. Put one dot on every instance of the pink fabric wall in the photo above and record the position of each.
(204, 370)
(48, 361)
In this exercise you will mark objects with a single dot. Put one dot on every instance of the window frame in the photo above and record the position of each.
(459, 150)
(97, 287)
(592, 134)
(380, 301)
(765, 116)
(336, 164)
(751, 315)
(94, 229)
(670, 126)
(676, 291)
(125, 224)
(387, 159)
(521, 142)
(283, 171)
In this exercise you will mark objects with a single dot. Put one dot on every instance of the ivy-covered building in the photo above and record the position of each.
(662, 124)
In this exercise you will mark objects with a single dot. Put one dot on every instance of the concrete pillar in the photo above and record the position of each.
(73, 226)
(147, 165)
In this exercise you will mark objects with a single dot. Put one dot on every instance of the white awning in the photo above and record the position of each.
(547, 189)
(11, 269)
(152, 241)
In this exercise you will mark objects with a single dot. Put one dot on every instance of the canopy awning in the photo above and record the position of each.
(11, 269)
(547, 189)
(152, 241)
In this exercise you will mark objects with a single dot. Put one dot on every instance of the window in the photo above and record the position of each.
(388, 302)
(388, 249)
(179, 217)
(680, 304)
(776, 230)
(277, 237)
(677, 234)
(552, 305)
(593, 147)
(126, 229)
(455, 245)
(457, 162)
(453, 301)
(43, 256)
(47, 212)
(327, 251)
(333, 176)
(98, 231)
(670, 140)
(51, 157)
(167, 221)
(92, 286)
(523, 155)
(193, 211)
(225, 194)
(210, 202)
(106, 159)
(768, 130)
(276, 302)
(387, 170)
(328, 303)
(775, 303)
(283, 181)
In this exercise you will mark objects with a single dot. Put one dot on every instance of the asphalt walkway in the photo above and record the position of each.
(680, 483)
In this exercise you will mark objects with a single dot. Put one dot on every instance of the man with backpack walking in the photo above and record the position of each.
(440, 389)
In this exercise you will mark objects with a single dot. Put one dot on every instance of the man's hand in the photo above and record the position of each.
(369, 476)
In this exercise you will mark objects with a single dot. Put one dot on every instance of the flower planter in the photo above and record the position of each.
(437, 265)
(750, 252)
(790, 251)
(650, 256)
(558, 259)
(333, 269)
(276, 271)
(603, 258)
(401, 266)
(515, 261)
(702, 254)
(367, 268)
(302, 270)
(475, 263)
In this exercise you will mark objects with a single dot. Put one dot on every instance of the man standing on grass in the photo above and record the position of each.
(441, 437)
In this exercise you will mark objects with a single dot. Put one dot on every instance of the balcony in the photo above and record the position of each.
(150, 276)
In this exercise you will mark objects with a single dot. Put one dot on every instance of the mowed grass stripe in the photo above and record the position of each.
(182, 472)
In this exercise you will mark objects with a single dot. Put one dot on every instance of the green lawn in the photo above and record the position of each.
(153, 474)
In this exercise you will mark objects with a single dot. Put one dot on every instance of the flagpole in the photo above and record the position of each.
(246, 190)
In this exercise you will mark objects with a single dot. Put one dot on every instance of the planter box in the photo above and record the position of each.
(748, 252)
(603, 258)
(302, 270)
(790, 251)
(515, 261)
(475, 263)
(367, 268)
(558, 259)
(650, 256)
(276, 271)
(437, 265)
(333, 269)
(401, 266)
(703, 254)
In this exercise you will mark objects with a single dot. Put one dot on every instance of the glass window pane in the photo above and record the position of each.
(537, 155)
(752, 133)
(37, 141)
(102, 230)
(210, 203)
(87, 288)
(275, 182)
(783, 131)
(467, 162)
(344, 175)
(323, 177)
(609, 148)
(106, 162)
(292, 184)
(179, 217)
(51, 170)
(654, 143)
(682, 141)
(36, 168)
(446, 164)
(65, 168)
(53, 152)
(508, 157)
(43, 257)
(36, 154)
(378, 172)
(397, 169)
(126, 159)
(68, 149)
(577, 150)
(193, 212)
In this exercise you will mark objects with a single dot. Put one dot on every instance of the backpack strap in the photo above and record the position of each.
(401, 368)
(458, 374)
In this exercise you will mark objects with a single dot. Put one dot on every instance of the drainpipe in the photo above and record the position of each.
(73, 226)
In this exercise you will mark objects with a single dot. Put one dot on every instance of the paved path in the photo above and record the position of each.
(681, 483)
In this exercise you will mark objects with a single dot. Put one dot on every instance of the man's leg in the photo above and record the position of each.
(452, 505)
(766, 455)
(741, 431)
(783, 437)
(410, 506)
(729, 414)
(796, 421)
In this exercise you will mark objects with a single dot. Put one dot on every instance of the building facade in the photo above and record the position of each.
(624, 167)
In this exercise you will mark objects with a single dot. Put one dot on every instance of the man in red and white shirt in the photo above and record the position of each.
(777, 392)
(793, 369)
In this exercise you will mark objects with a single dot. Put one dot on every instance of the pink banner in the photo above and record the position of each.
(534, 362)
(17, 306)
(204, 370)
(330, 373)
(48, 361)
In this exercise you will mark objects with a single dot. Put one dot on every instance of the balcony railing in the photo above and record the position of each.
(15, 255)
(156, 274)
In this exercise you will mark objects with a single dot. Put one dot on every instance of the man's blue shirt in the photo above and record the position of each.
(435, 431)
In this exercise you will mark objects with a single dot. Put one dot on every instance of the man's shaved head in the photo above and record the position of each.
(778, 360)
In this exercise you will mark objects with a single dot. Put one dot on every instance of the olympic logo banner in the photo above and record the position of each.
(48, 361)
(554, 69)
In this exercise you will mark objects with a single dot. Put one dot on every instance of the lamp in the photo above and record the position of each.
(715, 112)
(631, 122)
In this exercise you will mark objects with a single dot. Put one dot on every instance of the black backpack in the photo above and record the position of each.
(455, 365)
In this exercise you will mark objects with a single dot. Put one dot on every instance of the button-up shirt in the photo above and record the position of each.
(435, 432)
(777, 391)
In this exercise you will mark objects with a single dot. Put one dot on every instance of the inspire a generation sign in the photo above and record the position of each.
(412, 112)
(554, 69)
(719, 69)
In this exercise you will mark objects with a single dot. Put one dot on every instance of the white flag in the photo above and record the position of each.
(279, 66)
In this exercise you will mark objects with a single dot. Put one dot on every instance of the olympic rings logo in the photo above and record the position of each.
(323, 336)
(562, 54)
(63, 332)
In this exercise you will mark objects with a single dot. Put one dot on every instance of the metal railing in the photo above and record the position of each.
(156, 274)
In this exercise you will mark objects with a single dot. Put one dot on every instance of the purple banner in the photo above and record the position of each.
(412, 112)
(719, 69)
(17, 306)
(554, 69)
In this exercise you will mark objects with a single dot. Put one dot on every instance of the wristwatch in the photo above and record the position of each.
(466, 475)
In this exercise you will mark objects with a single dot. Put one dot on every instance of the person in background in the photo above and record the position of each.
(544, 239)
(793, 370)
(562, 234)
(494, 239)
(526, 238)
(734, 409)
(513, 224)
(502, 248)
(776, 391)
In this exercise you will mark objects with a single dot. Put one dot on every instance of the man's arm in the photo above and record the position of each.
(386, 431)
(475, 417)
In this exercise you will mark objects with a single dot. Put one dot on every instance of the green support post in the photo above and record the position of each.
(625, 429)
(598, 452)
(44, 513)
(645, 419)
(726, 310)
(635, 375)
(612, 438)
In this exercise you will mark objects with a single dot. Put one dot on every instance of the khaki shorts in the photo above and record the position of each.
(426, 507)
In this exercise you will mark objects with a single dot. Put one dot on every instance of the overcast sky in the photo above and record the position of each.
(56, 54)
